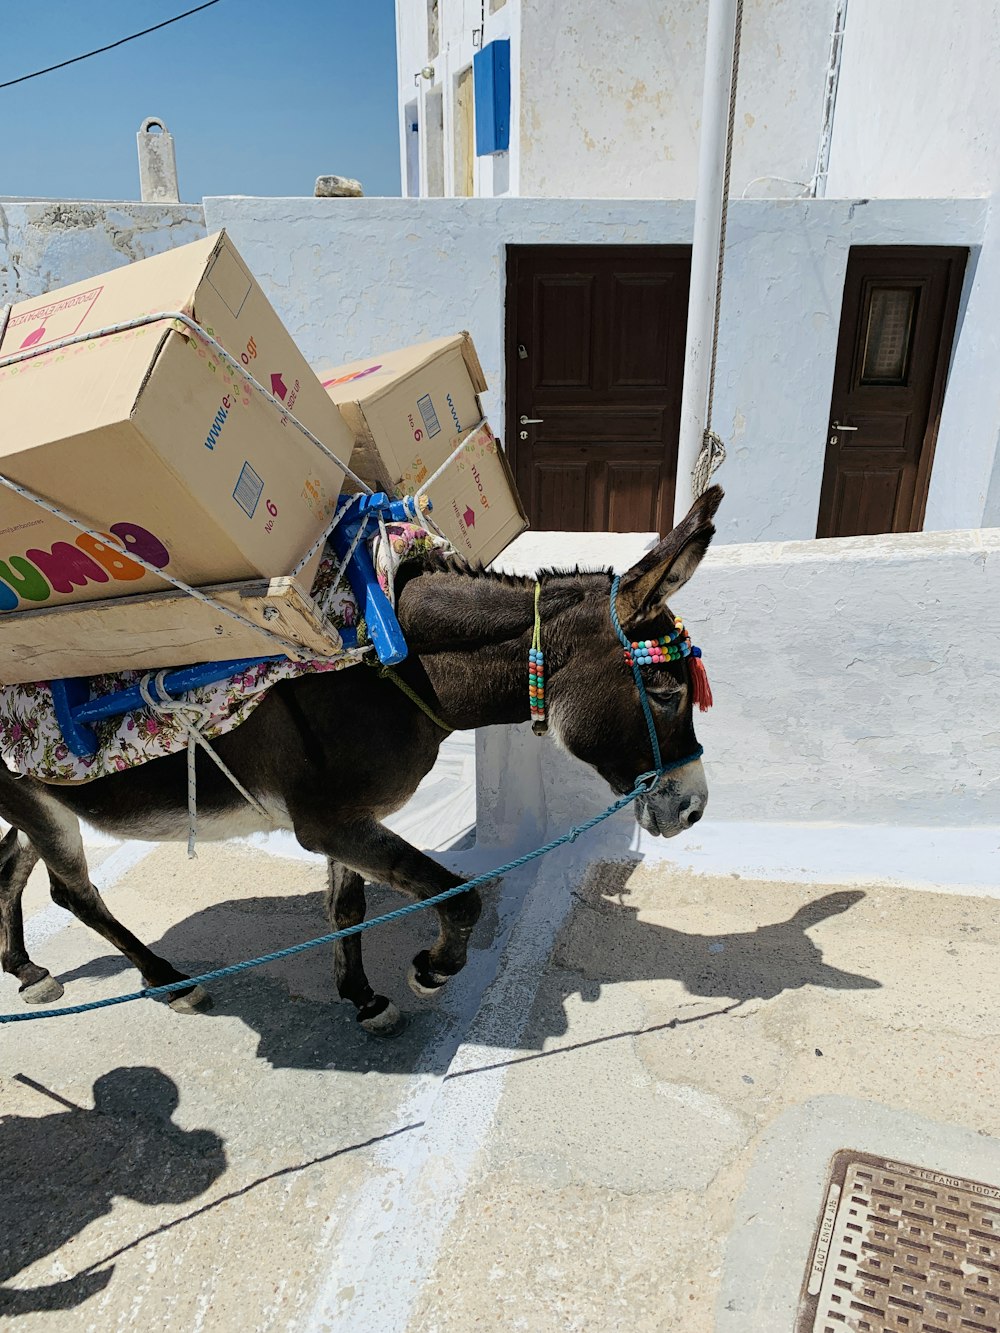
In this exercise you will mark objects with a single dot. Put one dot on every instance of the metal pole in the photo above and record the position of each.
(719, 49)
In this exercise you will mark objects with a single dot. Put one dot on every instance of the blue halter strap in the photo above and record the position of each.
(659, 767)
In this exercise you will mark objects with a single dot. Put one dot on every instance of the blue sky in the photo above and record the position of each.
(261, 96)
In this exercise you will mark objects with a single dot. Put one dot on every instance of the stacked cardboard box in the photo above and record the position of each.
(409, 411)
(161, 447)
(149, 436)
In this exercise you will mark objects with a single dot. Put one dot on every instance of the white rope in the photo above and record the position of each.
(176, 315)
(190, 715)
(436, 476)
(391, 563)
(711, 456)
(713, 451)
(323, 538)
(341, 568)
(297, 650)
(426, 516)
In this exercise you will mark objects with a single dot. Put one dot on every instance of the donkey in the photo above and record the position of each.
(331, 755)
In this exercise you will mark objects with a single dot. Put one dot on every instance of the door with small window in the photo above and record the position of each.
(896, 331)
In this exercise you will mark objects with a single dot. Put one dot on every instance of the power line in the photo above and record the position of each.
(111, 46)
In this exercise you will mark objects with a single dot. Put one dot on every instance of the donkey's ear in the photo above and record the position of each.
(645, 589)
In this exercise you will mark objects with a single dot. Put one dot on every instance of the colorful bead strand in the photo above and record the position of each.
(673, 647)
(536, 672)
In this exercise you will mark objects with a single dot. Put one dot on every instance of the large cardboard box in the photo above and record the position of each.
(155, 441)
(408, 410)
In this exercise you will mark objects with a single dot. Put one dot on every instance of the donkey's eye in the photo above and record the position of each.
(668, 701)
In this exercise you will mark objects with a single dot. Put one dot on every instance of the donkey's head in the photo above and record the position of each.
(593, 702)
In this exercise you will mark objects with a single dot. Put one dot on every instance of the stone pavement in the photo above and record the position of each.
(619, 1118)
(696, 1050)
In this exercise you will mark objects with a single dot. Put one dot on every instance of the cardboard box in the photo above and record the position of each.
(154, 440)
(408, 410)
(162, 629)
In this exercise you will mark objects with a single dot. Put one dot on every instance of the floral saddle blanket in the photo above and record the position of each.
(31, 738)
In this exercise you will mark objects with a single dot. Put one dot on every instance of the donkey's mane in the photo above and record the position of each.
(437, 561)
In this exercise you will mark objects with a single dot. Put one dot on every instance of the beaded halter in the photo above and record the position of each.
(670, 647)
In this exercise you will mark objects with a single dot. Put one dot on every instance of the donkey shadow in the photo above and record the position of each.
(293, 1008)
(759, 963)
(292, 1004)
(60, 1172)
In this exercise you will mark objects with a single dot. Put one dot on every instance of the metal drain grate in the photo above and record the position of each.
(901, 1249)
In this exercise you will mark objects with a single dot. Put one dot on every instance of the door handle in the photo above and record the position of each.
(837, 426)
(531, 421)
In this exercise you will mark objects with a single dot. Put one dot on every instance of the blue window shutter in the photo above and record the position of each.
(491, 82)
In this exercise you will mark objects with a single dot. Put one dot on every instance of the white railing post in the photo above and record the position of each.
(719, 49)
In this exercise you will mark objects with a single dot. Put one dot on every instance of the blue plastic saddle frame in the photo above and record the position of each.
(76, 711)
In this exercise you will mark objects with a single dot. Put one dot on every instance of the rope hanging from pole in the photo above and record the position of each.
(713, 452)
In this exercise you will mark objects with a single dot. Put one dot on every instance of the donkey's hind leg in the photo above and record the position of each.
(17, 860)
(345, 906)
(54, 834)
(73, 890)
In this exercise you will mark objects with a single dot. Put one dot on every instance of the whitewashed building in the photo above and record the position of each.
(857, 372)
(862, 274)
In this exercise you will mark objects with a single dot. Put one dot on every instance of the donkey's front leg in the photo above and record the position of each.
(378, 853)
(393, 860)
(345, 906)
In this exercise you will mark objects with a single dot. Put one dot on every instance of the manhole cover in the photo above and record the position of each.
(903, 1248)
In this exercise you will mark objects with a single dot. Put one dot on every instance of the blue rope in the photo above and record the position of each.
(644, 784)
(640, 686)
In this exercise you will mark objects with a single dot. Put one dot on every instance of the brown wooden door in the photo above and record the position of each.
(595, 359)
(896, 329)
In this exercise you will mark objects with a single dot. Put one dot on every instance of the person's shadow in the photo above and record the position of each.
(59, 1173)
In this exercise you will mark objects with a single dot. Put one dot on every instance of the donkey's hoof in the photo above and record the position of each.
(381, 1018)
(42, 992)
(423, 979)
(193, 1001)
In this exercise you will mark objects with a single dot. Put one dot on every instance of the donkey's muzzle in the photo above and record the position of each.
(676, 803)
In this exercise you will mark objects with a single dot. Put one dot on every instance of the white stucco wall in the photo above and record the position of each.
(351, 277)
(991, 514)
(916, 107)
(611, 96)
(854, 682)
(969, 448)
(55, 242)
(607, 97)
(463, 27)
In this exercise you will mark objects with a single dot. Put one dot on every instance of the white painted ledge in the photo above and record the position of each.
(856, 732)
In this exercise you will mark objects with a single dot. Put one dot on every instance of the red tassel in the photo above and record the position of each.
(699, 682)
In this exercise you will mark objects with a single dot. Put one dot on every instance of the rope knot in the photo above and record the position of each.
(711, 456)
(162, 705)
